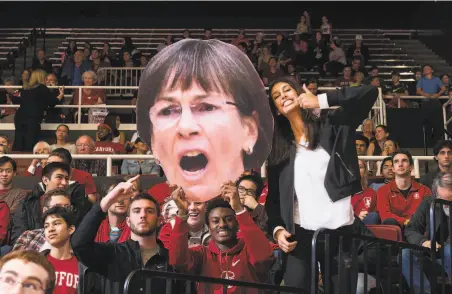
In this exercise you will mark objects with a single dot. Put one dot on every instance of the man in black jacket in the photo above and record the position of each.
(418, 232)
(113, 262)
(443, 156)
(54, 176)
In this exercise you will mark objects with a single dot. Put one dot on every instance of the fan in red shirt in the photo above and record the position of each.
(58, 228)
(365, 203)
(105, 145)
(247, 258)
(398, 200)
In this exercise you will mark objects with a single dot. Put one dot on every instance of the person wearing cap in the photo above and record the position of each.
(396, 89)
(105, 144)
(140, 166)
(358, 49)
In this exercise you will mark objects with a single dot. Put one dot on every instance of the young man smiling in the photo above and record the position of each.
(248, 258)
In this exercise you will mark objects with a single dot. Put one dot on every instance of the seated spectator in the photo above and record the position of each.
(97, 61)
(293, 74)
(144, 60)
(396, 89)
(389, 147)
(358, 78)
(140, 166)
(41, 62)
(186, 34)
(279, 45)
(69, 52)
(244, 48)
(320, 50)
(446, 82)
(443, 157)
(208, 34)
(250, 257)
(96, 167)
(357, 65)
(55, 176)
(61, 136)
(375, 81)
(336, 59)
(89, 96)
(168, 41)
(263, 59)
(105, 145)
(368, 129)
(345, 79)
(374, 74)
(105, 53)
(250, 188)
(59, 225)
(74, 69)
(313, 85)
(127, 60)
(8, 194)
(35, 239)
(37, 165)
(114, 121)
(258, 44)
(358, 49)
(376, 146)
(412, 90)
(87, 48)
(7, 114)
(362, 143)
(241, 38)
(198, 231)
(398, 200)
(4, 150)
(271, 73)
(113, 262)
(76, 175)
(365, 203)
(418, 232)
(114, 227)
(4, 140)
(26, 268)
(387, 171)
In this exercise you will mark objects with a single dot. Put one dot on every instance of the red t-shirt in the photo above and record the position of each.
(84, 178)
(365, 201)
(103, 147)
(66, 272)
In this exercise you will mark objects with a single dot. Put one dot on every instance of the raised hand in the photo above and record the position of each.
(230, 194)
(308, 100)
(124, 190)
(178, 196)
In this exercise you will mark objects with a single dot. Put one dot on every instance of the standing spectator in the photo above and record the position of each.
(248, 258)
(279, 45)
(8, 194)
(431, 88)
(97, 167)
(29, 268)
(113, 262)
(69, 51)
(35, 239)
(55, 115)
(272, 73)
(7, 114)
(418, 232)
(114, 227)
(446, 82)
(34, 100)
(320, 50)
(61, 136)
(41, 62)
(326, 29)
(398, 200)
(358, 49)
(186, 34)
(73, 69)
(304, 26)
(105, 145)
(362, 143)
(258, 44)
(376, 146)
(365, 202)
(337, 59)
(412, 86)
(345, 79)
(396, 89)
(140, 166)
(443, 157)
(387, 171)
(59, 225)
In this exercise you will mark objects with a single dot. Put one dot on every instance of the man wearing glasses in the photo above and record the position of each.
(26, 272)
(35, 239)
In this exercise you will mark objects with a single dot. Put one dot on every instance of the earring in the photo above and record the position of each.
(249, 151)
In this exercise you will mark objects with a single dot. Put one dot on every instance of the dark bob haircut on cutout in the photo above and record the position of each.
(217, 67)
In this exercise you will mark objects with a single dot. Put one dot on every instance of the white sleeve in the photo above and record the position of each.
(323, 101)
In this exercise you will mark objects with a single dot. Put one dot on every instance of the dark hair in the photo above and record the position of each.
(110, 120)
(385, 128)
(218, 67)
(145, 196)
(47, 197)
(356, 58)
(362, 138)
(406, 152)
(440, 145)
(373, 78)
(312, 81)
(69, 51)
(63, 154)
(216, 203)
(272, 57)
(282, 134)
(443, 75)
(4, 137)
(395, 73)
(423, 67)
(256, 179)
(244, 45)
(6, 159)
(389, 158)
(50, 168)
(59, 212)
(373, 67)
(208, 29)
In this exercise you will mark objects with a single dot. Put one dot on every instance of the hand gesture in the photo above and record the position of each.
(124, 190)
(178, 196)
(230, 194)
(34, 162)
(281, 237)
(61, 91)
(308, 100)
(249, 201)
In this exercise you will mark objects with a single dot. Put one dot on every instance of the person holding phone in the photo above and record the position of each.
(312, 169)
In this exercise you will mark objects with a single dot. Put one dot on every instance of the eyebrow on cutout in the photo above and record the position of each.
(28, 278)
(173, 99)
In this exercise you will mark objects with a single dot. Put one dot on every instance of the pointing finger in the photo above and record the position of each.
(131, 180)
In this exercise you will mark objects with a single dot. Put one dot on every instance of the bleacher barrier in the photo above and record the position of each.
(141, 280)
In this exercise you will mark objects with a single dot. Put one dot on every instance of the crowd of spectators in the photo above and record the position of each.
(74, 227)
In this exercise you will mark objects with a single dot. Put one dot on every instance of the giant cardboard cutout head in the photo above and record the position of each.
(203, 110)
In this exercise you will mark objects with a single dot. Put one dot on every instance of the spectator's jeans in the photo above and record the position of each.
(417, 271)
(372, 218)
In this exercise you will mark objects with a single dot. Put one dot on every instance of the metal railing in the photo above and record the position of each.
(119, 77)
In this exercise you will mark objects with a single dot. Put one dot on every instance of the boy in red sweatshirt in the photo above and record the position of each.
(248, 258)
